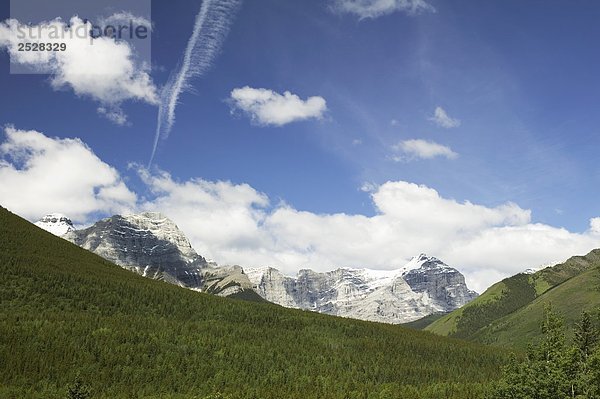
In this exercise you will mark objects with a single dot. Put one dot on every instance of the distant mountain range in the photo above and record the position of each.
(152, 245)
(425, 285)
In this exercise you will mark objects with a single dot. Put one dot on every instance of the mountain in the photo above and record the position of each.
(424, 286)
(56, 224)
(509, 312)
(444, 284)
(152, 245)
(149, 244)
(67, 312)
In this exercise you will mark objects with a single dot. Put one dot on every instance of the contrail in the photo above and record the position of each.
(210, 29)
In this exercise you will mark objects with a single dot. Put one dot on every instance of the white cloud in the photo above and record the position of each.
(421, 149)
(267, 107)
(442, 119)
(595, 225)
(115, 115)
(368, 187)
(376, 8)
(220, 218)
(102, 69)
(125, 18)
(39, 175)
(237, 224)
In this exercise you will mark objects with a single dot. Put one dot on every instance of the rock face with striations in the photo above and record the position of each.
(446, 285)
(148, 243)
(424, 286)
(152, 245)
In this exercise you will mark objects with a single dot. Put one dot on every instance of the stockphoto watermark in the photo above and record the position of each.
(87, 30)
(41, 31)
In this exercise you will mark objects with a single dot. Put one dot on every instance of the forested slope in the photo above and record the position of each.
(501, 314)
(66, 312)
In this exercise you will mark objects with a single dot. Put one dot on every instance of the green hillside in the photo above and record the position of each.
(66, 312)
(499, 308)
(569, 299)
(423, 322)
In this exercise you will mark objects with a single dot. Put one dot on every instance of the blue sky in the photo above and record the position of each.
(520, 77)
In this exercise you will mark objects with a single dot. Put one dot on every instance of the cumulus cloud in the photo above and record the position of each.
(40, 174)
(442, 119)
(595, 225)
(222, 219)
(102, 68)
(237, 224)
(377, 8)
(409, 150)
(267, 107)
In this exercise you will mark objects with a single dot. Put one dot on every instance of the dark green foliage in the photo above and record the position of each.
(508, 313)
(574, 266)
(217, 395)
(424, 321)
(66, 312)
(553, 369)
(78, 390)
(586, 335)
(247, 295)
(518, 293)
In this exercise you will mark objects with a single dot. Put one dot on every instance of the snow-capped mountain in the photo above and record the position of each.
(152, 245)
(148, 243)
(444, 284)
(533, 270)
(425, 285)
(56, 224)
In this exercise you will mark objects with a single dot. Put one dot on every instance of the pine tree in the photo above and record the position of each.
(542, 375)
(552, 369)
(586, 335)
(585, 342)
(78, 390)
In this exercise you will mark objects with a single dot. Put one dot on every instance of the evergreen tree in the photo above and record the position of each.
(586, 335)
(78, 390)
(552, 369)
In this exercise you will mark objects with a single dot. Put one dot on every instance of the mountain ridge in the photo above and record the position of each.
(152, 245)
(425, 285)
(482, 318)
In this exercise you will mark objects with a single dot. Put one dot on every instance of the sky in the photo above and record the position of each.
(320, 134)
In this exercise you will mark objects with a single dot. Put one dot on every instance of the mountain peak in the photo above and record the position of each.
(56, 223)
(421, 261)
(149, 215)
(426, 258)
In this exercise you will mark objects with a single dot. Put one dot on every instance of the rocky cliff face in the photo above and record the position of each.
(426, 285)
(444, 284)
(149, 244)
(152, 245)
